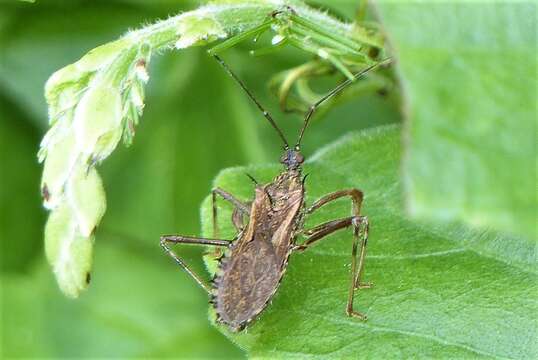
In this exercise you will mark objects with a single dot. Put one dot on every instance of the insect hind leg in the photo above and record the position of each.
(178, 239)
(360, 234)
(360, 237)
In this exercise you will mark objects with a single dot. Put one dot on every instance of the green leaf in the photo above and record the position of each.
(469, 72)
(439, 291)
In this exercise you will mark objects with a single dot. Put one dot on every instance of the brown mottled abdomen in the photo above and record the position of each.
(251, 272)
(250, 277)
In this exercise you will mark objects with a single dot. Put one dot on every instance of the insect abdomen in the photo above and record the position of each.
(249, 279)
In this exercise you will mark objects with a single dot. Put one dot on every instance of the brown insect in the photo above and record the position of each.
(255, 261)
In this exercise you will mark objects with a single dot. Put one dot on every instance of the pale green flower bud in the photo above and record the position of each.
(71, 74)
(98, 122)
(86, 196)
(68, 252)
(60, 159)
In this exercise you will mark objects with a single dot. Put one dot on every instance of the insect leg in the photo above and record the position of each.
(357, 197)
(355, 194)
(359, 223)
(320, 231)
(238, 206)
(238, 219)
(329, 227)
(178, 239)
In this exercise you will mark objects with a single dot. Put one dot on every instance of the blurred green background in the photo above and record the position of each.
(196, 122)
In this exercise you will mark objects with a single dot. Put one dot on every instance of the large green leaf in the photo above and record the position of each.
(439, 292)
(469, 72)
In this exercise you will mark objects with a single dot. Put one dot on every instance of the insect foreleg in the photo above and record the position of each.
(360, 237)
(178, 239)
(239, 206)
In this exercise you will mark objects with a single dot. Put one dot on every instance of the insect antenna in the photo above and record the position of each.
(334, 92)
(265, 112)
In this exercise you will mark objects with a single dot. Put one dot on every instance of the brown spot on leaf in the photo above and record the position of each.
(88, 278)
